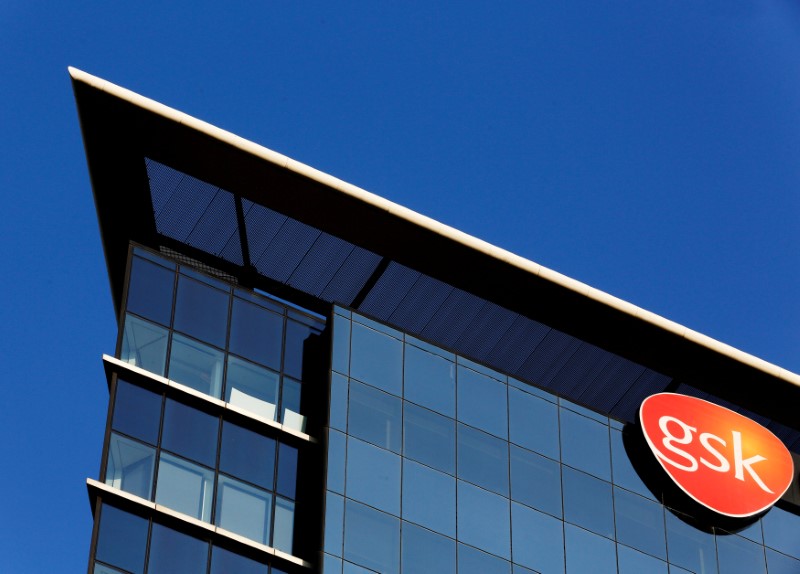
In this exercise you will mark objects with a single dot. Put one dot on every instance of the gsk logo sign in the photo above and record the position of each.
(723, 460)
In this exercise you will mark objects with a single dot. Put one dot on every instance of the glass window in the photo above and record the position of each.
(137, 412)
(196, 365)
(429, 380)
(100, 569)
(150, 291)
(341, 345)
(373, 476)
(247, 455)
(585, 444)
(740, 556)
(473, 561)
(484, 520)
(429, 438)
(587, 552)
(256, 334)
(336, 459)
(184, 487)
(482, 402)
(130, 466)
(283, 532)
(375, 416)
(780, 531)
(201, 311)
(538, 540)
(331, 564)
(252, 388)
(290, 405)
(781, 564)
(190, 433)
(533, 423)
(429, 498)
(122, 539)
(372, 538)
(624, 473)
(536, 481)
(633, 562)
(244, 509)
(483, 459)
(287, 471)
(298, 339)
(752, 532)
(339, 390)
(376, 359)
(226, 562)
(640, 523)
(173, 552)
(587, 502)
(144, 345)
(334, 523)
(425, 552)
(689, 547)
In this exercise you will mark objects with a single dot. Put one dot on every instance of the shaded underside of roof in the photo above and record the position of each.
(173, 187)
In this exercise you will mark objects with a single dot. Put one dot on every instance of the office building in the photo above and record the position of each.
(309, 378)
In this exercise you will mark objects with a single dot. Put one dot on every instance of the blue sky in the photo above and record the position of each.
(649, 149)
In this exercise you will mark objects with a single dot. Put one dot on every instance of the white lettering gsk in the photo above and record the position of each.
(720, 464)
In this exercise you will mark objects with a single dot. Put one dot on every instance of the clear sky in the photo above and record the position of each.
(650, 149)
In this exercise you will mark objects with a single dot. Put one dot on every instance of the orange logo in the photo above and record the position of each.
(723, 460)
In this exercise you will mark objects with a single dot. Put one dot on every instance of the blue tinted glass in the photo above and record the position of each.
(371, 538)
(482, 402)
(472, 561)
(122, 539)
(336, 458)
(350, 568)
(130, 466)
(291, 395)
(144, 345)
(781, 564)
(287, 471)
(689, 547)
(633, 562)
(190, 433)
(780, 531)
(740, 556)
(624, 473)
(247, 455)
(584, 411)
(225, 562)
(425, 552)
(640, 523)
(585, 444)
(375, 416)
(334, 523)
(252, 388)
(243, 509)
(256, 334)
(752, 532)
(201, 311)
(373, 476)
(299, 339)
(429, 438)
(536, 481)
(533, 423)
(538, 540)
(338, 418)
(587, 502)
(173, 552)
(484, 520)
(429, 498)
(331, 564)
(483, 459)
(283, 530)
(196, 365)
(376, 359)
(341, 345)
(587, 552)
(137, 412)
(150, 291)
(429, 380)
(184, 486)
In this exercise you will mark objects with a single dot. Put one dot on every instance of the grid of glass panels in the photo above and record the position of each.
(225, 342)
(130, 544)
(202, 465)
(436, 463)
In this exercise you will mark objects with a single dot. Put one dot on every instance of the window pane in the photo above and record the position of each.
(624, 473)
(173, 552)
(689, 547)
(587, 502)
(483, 459)
(339, 390)
(201, 311)
(740, 556)
(247, 455)
(633, 562)
(472, 561)
(376, 359)
(538, 540)
(372, 538)
(429, 380)
(780, 531)
(484, 520)
(334, 523)
(287, 471)
(256, 334)
(226, 562)
(429, 498)
(640, 523)
(150, 291)
(243, 509)
(425, 552)
(374, 416)
(429, 438)
(283, 533)
(373, 476)
(585, 444)
(144, 345)
(252, 388)
(122, 539)
(100, 569)
(290, 405)
(184, 487)
(299, 339)
(587, 552)
(341, 345)
(482, 402)
(781, 564)
(536, 481)
(196, 365)
(130, 466)
(337, 446)
(137, 412)
(190, 433)
(534, 423)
